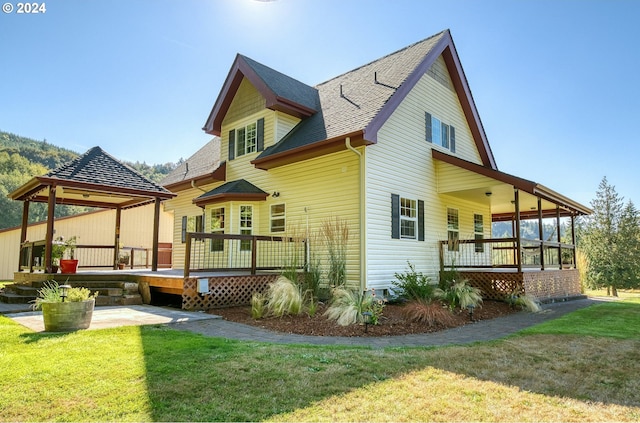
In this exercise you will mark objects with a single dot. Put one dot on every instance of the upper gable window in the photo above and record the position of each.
(246, 139)
(440, 133)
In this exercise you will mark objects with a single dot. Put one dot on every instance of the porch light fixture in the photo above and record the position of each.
(470, 307)
(275, 194)
(366, 316)
(63, 291)
(488, 193)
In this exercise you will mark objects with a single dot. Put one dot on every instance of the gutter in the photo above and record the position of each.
(363, 215)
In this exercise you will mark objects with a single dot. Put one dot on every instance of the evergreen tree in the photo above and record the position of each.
(610, 241)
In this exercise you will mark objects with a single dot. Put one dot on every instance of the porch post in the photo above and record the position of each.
(156, 232)
(540, 233)
(49, 237)
(516, 194)
(573, 240)
(559, 237)
(116, 242)
(23, 230)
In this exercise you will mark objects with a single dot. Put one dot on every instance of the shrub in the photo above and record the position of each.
(414, 285)
(430, 312)
(283, 297)
(462, 294)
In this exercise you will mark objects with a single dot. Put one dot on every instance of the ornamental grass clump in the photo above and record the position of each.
(525, 302)
(462, 295)
(335, 234)
(433, 313)
(283, 297)
(347, 307)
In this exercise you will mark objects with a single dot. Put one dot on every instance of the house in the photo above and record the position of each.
(394, 148)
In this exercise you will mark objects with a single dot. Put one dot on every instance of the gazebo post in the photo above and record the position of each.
(23, 230)
(116, 242)
(49, 237)
(156, 232)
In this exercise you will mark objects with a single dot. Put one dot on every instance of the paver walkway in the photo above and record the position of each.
(485, 330)
(211, 325)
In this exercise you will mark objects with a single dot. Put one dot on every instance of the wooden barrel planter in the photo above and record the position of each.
(67, 316)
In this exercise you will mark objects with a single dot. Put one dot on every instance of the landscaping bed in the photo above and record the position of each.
(392, 322)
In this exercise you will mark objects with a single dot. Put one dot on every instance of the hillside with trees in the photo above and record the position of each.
(23, 158)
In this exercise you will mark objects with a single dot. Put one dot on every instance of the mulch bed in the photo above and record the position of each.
(391, 323)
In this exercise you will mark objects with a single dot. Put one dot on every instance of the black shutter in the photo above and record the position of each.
(232, 144)
(395, 216)
(452, 139)
(184, 229)
(420, 220)
(427, 125)
(260, 134)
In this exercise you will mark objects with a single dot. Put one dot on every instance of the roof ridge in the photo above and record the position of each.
(382, 58)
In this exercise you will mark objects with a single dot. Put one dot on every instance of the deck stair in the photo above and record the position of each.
(110, 292)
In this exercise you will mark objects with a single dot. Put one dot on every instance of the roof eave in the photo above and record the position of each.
(446, 48)
(309, 151)
(217, 175)
(229, 196)
(241, 69)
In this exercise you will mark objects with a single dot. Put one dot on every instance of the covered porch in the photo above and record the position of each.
(540, 264)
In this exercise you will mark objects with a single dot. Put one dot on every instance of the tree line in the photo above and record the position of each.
(23, 158)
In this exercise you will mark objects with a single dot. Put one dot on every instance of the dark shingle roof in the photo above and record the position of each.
(203, 162)
(349, 102)
(240, 186)
(284, 86)
(99, 168)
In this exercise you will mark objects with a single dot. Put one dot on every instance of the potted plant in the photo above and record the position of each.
(69, 265)
(123, 260)
(65, 308)
(57, 252)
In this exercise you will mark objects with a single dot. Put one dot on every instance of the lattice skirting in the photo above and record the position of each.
(544, 285)
(224, 291)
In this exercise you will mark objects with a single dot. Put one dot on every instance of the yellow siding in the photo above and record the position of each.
(136, 230)
(312, 191)
(247, 101)
(400, 163)
(452, 178)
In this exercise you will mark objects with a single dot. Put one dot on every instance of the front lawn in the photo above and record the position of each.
(155, 373)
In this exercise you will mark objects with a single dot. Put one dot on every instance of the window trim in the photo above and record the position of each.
(396, 218)
(478, 235)
(453, 234)
(247, 230)
(217, 245)
(436, 128)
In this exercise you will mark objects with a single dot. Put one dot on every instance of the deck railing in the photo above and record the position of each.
(88, 256)
(503, 253)
(206, 252)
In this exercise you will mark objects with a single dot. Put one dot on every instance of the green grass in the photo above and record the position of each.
(5, 283)
(616, 320)
(155, 373)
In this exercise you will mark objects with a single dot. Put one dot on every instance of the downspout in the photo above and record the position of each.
(363, 215)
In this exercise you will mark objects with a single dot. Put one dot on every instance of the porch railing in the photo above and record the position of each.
(207, 252)
(503, 253)
(88, 256)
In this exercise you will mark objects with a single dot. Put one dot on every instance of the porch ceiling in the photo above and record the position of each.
(472, 182)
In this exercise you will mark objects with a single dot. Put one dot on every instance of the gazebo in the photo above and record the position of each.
(95, 179)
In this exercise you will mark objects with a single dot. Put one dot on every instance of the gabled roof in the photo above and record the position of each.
(240, 189)
(94, 179)
(357, 103)
(201, 168)
(280, 91)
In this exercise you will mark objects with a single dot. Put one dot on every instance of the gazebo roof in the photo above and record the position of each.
(95, 179)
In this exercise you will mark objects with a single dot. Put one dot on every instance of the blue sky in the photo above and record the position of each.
(555, 82)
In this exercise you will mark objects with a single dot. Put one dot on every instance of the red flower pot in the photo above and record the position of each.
(68, 266)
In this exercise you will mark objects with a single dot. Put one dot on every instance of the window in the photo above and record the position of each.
(246, 226)
(453, 229)
(217, 227)
(408, 218)
(246, 139)
(191, 224)
(478, 230)
(440, 133)
(277, 218)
